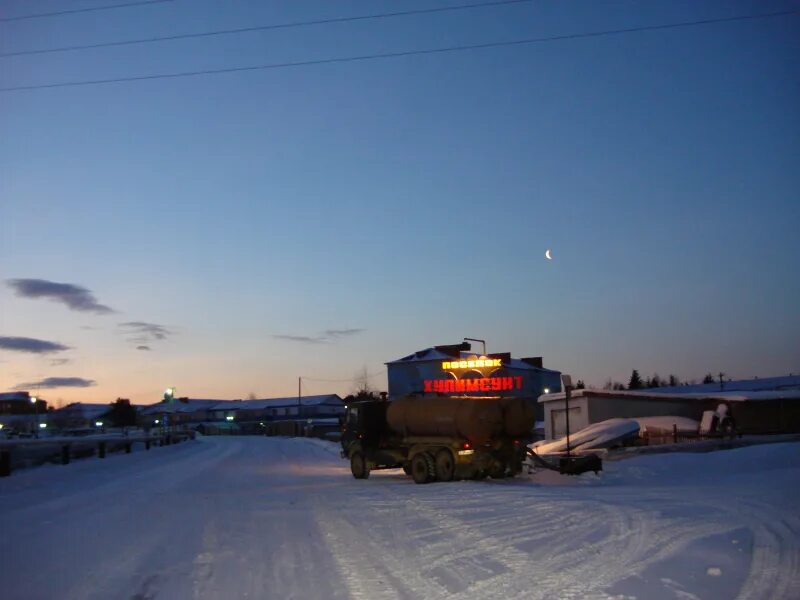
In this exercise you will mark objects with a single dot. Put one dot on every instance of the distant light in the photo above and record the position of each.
(157, 421)
(229, 418)
(345, 406)
(262, 424)
(1, 425)
(98, 423)
(33, 399)
(546, 390)
(42, 425)
(169, 391)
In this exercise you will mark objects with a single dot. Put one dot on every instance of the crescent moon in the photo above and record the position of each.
(547, 255)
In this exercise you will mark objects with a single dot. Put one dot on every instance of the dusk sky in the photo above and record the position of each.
(228, 233)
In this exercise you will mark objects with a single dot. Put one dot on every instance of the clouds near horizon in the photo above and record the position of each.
(141, 334)
(30, 345)
(327, 336)
(73, 296)
(57, 382)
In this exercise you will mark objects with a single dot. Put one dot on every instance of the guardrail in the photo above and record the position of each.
(68, 446)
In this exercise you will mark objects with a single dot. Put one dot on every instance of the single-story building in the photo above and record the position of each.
(754, 412)
(78, 415)
(191, 411)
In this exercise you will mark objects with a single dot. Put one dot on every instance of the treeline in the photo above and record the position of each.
(655, 381)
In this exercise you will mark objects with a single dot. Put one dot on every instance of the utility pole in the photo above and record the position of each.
(721, 384)
(299, 394)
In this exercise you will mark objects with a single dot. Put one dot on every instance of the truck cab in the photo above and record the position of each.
(365, 438)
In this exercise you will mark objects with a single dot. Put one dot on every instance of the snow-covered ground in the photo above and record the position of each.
(255, 517)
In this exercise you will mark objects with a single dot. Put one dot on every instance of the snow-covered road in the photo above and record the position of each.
(255, 517)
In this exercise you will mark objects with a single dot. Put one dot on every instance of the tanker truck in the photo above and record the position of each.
(438, 438)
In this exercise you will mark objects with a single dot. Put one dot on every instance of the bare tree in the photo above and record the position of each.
(361, 383)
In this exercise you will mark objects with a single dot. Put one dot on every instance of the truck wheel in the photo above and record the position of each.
(358, 465)
(421, 468)
(407, 468)
(445, 465)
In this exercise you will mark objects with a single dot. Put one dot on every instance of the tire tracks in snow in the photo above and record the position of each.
(364, 572)
(775, 566)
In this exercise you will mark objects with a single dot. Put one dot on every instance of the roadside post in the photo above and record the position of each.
(566, 383)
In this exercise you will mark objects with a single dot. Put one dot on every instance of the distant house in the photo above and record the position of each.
(19, 403)
(179, 411)
(191, 411)
(78, 415)
(318, 407)
(17, 412)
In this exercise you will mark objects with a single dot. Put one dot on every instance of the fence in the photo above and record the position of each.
(63, 449)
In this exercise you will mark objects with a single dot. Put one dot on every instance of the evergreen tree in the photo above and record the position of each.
(656, 381)
(709, 378)
(122, 414)
(674, 381)
(618, 386)
(580, 385)
(635, 382)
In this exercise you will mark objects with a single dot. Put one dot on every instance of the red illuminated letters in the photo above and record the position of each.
(483, 384)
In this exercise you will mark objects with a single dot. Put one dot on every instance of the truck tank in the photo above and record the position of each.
(473, 418)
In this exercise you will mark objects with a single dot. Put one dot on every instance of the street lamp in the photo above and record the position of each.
(36, 413)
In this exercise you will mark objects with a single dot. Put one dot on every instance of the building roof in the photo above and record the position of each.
(425, 355)
(184, 405)
(650, 394)
(435, 353)
(261, 404)
(15, 397)
(765, 384)
(189, 405)
(83, 410)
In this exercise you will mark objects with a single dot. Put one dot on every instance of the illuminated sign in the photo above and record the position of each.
(473, 363)
(483, 384)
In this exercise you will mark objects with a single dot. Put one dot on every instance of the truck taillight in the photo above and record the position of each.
(466, 445)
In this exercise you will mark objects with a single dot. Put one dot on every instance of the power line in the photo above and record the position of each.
(81, 10)
(350, 380)
(218, 32)
(365, 57)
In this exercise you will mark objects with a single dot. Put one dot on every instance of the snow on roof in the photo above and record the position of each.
(15, 396)
(181, 406)
(195, 405)
(425, 355)
(649, 394)
(766, 384)
(261, 404)
(83, 409)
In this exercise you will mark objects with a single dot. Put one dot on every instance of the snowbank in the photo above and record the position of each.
(600, 435)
